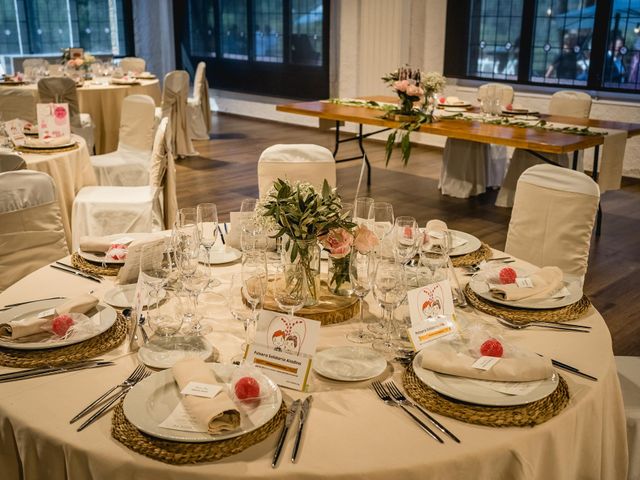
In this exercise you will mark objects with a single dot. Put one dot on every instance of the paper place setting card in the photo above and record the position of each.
(15, 131)
(53, 120)
(180, 419)
(432, 313)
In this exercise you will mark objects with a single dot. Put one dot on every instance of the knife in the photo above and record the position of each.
(304, 413)
(291, 415)
(221, 235)
(73, 272)
(69, 267)
(12, 305)
(54, 371)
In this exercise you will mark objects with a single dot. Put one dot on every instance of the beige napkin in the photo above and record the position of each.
(546, 282)
(32, 325)
(443, 358)
(95, 244)
(218, 413)
(49, 142)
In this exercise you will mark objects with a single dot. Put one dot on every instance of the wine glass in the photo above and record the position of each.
(240, 310)
(361, 271)
(155, 268)
(362, 212)
(207, 218)
(434, 253)
(383, 219)
(389, 290)
(406, 239)
(288, 290)
(194, 283)
(248, 205)
(169, 322)
(254, 286)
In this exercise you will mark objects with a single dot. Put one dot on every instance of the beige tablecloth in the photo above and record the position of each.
(104, 103)
(70, 171)
(350, 434)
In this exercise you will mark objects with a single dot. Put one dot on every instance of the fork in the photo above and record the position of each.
(403, 400)
(471, 269)
(381, 391)
(129, 381)
(518, 326)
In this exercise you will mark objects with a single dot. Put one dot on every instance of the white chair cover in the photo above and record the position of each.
(129, 164)
(198, 107)
(63, 90)
(629, 375)
(296, 162)
(469, 168)
(10, 162)
(100, 211)
(31, 231)
(174, 106)
(133, 64)
(565, 103)
(542, 233)
(17, 103)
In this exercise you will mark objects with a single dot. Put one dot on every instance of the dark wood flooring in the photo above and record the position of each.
(225, 173)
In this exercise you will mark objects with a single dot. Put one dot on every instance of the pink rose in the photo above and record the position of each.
(414, 91)
(79, 62)
(338, 242)
(365, 240)
(401, 85)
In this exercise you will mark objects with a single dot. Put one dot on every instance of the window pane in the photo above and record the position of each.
(45, 28)
(562, 41)
(622, 60)
(201, 28)
(234, 29)
(268, 23)
(494, 39)
(9, 34)
(306, 32)
(98, 28)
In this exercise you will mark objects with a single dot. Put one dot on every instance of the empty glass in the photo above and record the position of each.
(286, 287)
(389, 290)
(434, 253)
(240, 310)
(383, 219)
(362, 212)
(361, 272)
(195, 283)
(155, 269)
(407, 237)
(207, 218)
(254, 284)
(169, 320)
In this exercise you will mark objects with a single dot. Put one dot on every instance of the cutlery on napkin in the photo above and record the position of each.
(546, 282)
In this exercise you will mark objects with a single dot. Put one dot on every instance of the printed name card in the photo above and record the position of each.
(15, 131)
(53, 120)
(431, 310)
(429, 329)
(284, 348)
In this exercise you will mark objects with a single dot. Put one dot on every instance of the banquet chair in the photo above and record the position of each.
(295, 162)
(129, 164)
(17, 103)
(31, 231)
(10, 162)
(63, 90)
(198, 108)
(545, 235)
(629, 376)
(174, 106)
(106, 210)
(133, 64)
(469, 168)
(565, 103)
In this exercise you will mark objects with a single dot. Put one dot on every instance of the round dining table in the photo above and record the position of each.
(350, 432)
(103, 101)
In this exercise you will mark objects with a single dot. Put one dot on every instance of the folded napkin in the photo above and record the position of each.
(47, 142)
(218, 413)
(95, 244)
(546, 282)
(32, 325)
(443, 358)
(124, 81)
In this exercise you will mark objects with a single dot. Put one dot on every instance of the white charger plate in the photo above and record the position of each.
(123, 296)
(99, 258)
(349, 364)
(472, 391)
(105, 314)
(472, 244)
(479, 286)
(218, 257)
(153, 399)
(51, 147)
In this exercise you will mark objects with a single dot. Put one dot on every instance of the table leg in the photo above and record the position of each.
(594, 175)
(364, 155)
(575, 160)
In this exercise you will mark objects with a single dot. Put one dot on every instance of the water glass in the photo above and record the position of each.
(362, 212)
(389, 290)
(361, 272)
(407, 237)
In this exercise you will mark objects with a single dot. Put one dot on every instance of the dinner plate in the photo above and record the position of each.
(100, 258)
(472, 243)
(454, 105)
(518, 113)
(479, 286)
(105, 315)
(151, 401)
(349, 364)
(123, 296)
(217, 257)
(50, 147)
(478, 391)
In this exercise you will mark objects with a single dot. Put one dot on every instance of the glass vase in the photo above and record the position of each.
(306, 255)
(338, 281)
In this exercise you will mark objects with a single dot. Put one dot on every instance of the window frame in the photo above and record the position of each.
(457, 40)
(284, 80)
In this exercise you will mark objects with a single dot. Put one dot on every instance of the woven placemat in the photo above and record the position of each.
(473, 258)
(527, 415)
(92, 268)
(25, 149)
(179, 453)
(91, 348)
(524, 315)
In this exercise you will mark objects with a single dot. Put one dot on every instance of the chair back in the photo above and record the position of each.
(61, 90)
(17, 103)
(133, 64)
(162, 172)
(568, 103)
(545, 235)
(201, 93)
(175, 92)
(10, 162)
(505, 92)
(137, 123)
(296, 162)
(31, 231)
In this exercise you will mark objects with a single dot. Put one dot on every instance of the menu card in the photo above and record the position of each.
(53, 120)
(432, 313)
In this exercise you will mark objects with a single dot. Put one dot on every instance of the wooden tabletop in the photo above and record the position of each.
(528, 138)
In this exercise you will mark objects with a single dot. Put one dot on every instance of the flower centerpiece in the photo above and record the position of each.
(416, 91)
(82, 62)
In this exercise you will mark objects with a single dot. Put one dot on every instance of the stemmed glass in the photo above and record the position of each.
(383, 219)
(155, 268)
(240, 311)
(389, 291)
(252, 237)
(406, 239)
(362, 212)
(434, 253)
(207, 218)
(254, 287)
(361, 271)
(286, 287)
(195, 283)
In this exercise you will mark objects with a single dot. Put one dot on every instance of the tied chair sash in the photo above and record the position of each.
(174, 106)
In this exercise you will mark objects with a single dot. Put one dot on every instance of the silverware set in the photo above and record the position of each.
(9, 306)
(53, 370)
(473, 269)
(107, 400)
(75, 271)
(303, 407)
(391, 395)
(567, 327)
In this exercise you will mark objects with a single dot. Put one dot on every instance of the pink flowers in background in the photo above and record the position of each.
(411, 89)
(338, 242)
(75, 62)
(365, 240)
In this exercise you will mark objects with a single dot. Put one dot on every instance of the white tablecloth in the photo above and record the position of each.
(350, 433)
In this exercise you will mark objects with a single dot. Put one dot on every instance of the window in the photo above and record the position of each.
(44, 27)
(574, 43)
(273, 47)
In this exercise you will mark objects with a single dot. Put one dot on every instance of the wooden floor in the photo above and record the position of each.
(225, 173)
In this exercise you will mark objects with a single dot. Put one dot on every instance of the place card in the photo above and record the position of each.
(180, 419)
(291, 371)
(524, 282)
(485, 363)
(427, 330)
(432, 300)
(47, 313)
(199, 389)
(53, 120)
(15, 131)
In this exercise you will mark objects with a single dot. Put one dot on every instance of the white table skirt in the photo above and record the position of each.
(350, 433)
